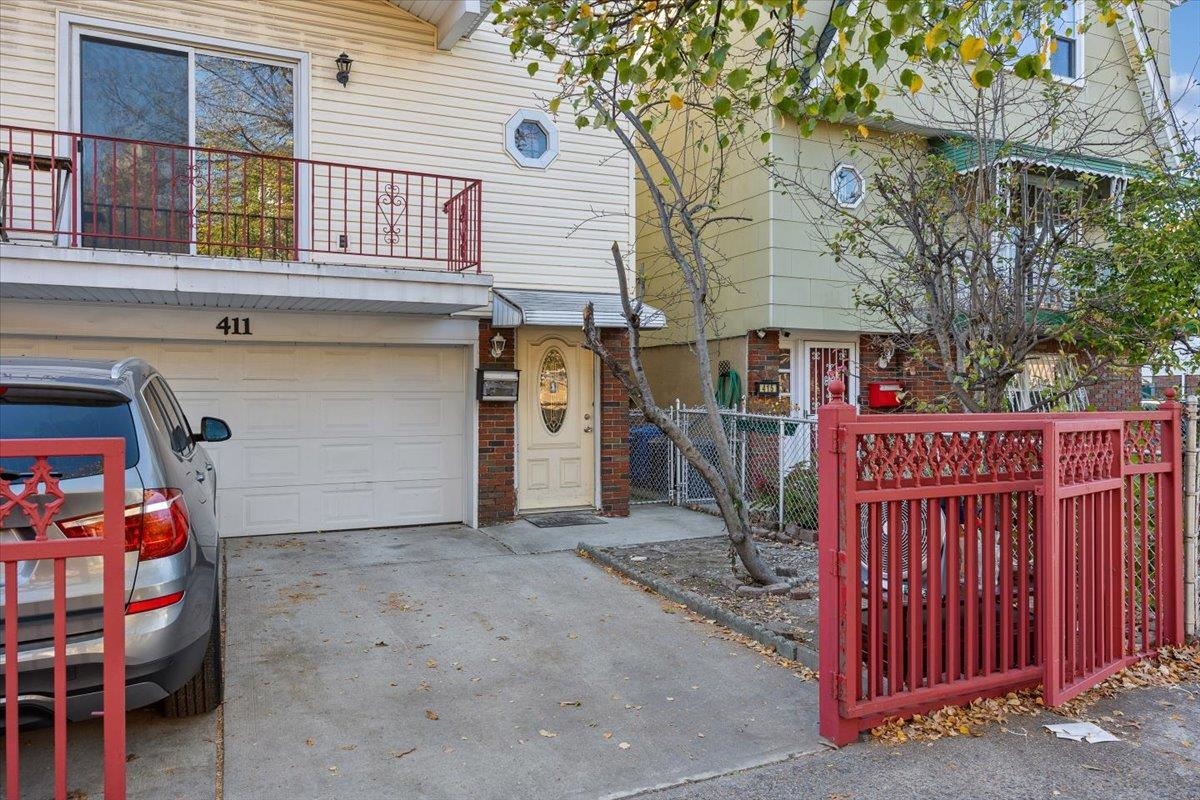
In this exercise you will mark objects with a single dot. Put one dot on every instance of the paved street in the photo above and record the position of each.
(1160, 758)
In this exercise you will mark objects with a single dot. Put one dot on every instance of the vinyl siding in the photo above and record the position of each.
(407, 106)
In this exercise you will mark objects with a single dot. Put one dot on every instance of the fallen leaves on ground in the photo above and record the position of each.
(547, 734)
(403, 753)
(431, 714)
(1172, 665)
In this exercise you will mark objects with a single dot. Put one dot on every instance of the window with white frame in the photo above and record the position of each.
(847, 185)
(1058, 37)
(147, 104)
(531, 138)
(1040, 385)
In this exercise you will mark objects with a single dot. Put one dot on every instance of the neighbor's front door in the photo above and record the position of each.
(556, 423)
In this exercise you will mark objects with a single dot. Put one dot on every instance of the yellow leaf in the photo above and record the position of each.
(863, 132)
(585, 11)
(931, 38)
(917, 83)
(676, 102)
(1110, 17)
(971, 48)
(964, 730)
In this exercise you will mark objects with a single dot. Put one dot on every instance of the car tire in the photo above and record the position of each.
(205, 690)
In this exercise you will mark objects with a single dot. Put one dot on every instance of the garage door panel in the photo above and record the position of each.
(417, 459)
(261, 365)
(326, 437)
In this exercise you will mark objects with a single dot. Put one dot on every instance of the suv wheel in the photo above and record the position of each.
(204, 691)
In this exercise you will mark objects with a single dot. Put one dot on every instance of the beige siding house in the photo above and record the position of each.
(306, 215)
(784, 310)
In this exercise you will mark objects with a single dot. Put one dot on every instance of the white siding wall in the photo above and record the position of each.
(408, 106)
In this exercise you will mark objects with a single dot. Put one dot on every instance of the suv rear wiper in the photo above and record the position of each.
(16, 476)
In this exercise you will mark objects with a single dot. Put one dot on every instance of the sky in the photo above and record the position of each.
(1185, 67)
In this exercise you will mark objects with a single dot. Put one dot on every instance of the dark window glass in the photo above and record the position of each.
(167, 416)
(134, 195)
(1062, 60)
(531, 139)
(29, 413)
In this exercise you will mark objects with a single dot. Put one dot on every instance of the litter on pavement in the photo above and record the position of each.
(1081, 732)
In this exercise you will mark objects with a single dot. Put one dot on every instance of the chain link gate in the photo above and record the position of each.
(774, 458)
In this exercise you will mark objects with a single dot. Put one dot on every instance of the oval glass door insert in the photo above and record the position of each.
(552, 389)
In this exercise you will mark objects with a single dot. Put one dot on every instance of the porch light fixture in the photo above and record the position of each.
(498, 342)
(343, 64)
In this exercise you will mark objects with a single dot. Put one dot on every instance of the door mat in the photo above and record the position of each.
(565, 519)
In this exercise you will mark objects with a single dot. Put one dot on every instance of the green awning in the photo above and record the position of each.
(965, 156)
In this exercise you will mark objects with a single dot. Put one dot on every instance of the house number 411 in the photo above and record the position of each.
(234, 326)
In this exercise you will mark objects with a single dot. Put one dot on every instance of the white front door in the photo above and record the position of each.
(557, 424)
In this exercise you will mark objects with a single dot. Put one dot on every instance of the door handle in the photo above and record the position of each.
(587, 429)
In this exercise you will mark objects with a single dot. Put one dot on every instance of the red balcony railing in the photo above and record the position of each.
(83, 190)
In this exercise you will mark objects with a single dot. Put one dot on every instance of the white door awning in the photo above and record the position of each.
(512, 308)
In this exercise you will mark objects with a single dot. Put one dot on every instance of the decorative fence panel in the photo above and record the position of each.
(955, 565)
(30, 498)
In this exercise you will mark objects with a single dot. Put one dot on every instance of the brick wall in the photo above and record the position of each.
(497, 443)
(1117, 390)
(921, 383)
(763, 358)
(614, 432)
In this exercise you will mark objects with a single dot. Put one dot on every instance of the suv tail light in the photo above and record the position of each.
(154, 528)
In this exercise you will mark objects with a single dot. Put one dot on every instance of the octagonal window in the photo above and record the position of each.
(847, 185)
(531, 138)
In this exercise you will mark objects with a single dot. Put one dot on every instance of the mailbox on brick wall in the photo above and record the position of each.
(884, 394)
(497, 385)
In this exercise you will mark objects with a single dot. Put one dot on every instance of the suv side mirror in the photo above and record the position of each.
(212, 430)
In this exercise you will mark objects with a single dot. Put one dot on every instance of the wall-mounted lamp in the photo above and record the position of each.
(760, 333)
(498, 342)
(343, 65)
(889, 352)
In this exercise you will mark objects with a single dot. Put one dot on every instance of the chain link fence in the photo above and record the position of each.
(775, 460)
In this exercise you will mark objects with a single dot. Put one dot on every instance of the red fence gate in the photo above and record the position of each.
(30, 497)
(955, 565)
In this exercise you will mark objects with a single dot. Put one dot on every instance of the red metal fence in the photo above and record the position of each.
(955, 565)
(29, 501)
(83, 190)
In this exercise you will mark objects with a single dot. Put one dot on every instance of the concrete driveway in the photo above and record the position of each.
(446, 662)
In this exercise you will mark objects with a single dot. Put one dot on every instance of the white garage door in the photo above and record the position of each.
(325, 437)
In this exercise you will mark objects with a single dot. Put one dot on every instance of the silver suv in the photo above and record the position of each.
(172, 555)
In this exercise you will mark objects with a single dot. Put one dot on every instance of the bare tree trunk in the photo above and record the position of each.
(724, 481)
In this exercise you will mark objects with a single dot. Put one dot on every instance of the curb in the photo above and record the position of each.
(785, 647)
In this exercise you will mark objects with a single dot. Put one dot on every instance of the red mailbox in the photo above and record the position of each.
(884, 394)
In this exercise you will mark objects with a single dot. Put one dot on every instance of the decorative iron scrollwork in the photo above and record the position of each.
(392, 205)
